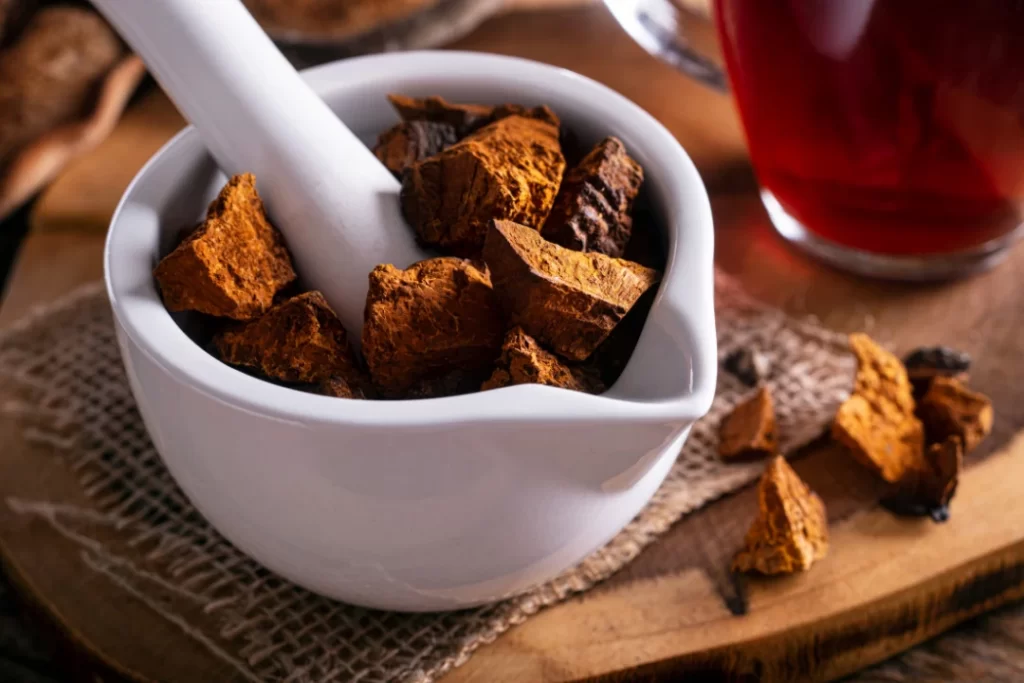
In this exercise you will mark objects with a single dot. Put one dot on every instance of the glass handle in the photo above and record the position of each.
(680, 32)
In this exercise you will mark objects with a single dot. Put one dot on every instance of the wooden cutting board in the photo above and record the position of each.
(887, 584)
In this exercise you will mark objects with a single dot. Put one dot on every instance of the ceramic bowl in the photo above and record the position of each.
(429, 504)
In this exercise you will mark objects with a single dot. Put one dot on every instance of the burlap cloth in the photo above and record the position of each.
(63, 380)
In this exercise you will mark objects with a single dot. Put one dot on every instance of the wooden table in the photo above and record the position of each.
(65, 242)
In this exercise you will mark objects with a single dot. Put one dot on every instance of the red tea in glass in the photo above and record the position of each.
(887, 135)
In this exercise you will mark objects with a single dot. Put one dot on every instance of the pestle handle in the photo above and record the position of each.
(335, 203)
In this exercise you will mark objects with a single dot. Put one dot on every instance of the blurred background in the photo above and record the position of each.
(79, 117)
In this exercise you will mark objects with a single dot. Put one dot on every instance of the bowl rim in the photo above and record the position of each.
(142, 318)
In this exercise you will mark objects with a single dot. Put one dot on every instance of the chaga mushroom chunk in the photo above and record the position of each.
(790, 532)
(508, 170)
(928, 492)
(523, 361)
(951, 409)
(402, 145)
(749, 431)
(593, 209)
(928, 362)
(877, 423)
(567, 300)
(465, 118)
(233, 265)
(541, 113)
(431, 319)
(298, 340)
(937, 485)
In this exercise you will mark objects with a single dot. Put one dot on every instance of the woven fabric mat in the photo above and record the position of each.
(63, 381)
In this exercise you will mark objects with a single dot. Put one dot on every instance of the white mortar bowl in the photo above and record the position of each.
(430, 504)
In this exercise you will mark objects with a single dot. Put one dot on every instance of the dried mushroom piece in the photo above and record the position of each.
(433, 318)
(937, 484)
(940, 359)
(928, 492)
(510, 169)
(464, 117)
(298, 340)
(541, 113)
(951, 409)
(523, 361)
(593, 209)
(747, 365)
(790, 532)
(928, 362)
(402, 145)
(749, 431)
(233, 264)
(877, 423)
(567, 300)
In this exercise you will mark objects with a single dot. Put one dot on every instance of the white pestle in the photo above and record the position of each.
(335, 203)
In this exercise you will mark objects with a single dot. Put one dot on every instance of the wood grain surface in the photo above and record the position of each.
(888, 584)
